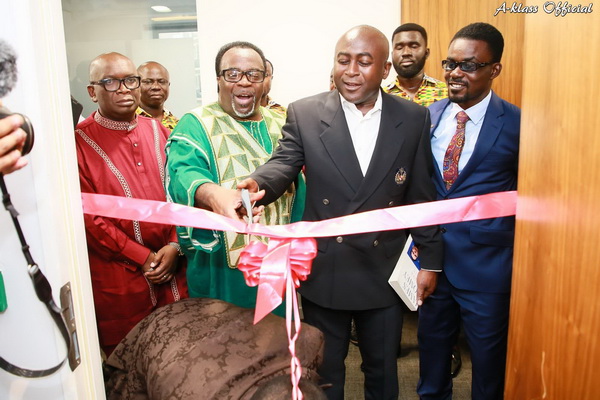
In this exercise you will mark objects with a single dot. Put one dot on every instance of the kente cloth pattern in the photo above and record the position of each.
(430, 91)
(169, 121)
(273, 106)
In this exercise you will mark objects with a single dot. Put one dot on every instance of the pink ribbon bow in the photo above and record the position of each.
(276, 268)
(271, 266)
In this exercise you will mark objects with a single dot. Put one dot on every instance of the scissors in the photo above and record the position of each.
(247, 204)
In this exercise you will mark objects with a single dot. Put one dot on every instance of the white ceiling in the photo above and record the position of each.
(128, 7)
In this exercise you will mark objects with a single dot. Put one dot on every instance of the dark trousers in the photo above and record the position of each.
(379, 331)
(484, 318)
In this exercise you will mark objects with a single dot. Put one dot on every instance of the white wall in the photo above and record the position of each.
(298, 37)
(46, 193)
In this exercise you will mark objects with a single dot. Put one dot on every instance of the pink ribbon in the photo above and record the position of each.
(274, 267)
(287, 261)
(493, 205)
(295, 366)
(270, 267)
(282, 262)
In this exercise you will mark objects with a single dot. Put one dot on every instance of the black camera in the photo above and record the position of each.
(27, 127)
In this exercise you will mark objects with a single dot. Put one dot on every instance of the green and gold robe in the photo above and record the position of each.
(208, 145)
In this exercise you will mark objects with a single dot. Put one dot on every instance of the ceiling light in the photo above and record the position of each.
(161, 9)
(174, 18)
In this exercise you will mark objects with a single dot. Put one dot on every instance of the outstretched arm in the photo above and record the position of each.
(227, 202)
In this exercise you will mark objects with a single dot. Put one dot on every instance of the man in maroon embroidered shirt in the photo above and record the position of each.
(134, 265)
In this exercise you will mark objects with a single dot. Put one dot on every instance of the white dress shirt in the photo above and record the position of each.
(447, 128)
(363, 130)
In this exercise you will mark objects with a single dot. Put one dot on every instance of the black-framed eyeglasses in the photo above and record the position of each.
(113, 84)
(465, 66)
(151, 82)
(235, 75)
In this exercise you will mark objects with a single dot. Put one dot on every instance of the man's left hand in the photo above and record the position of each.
(426, 283)
(164, 266)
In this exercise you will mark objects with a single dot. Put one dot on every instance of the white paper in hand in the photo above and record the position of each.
(404, 276)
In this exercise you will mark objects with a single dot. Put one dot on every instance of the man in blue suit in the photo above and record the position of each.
(475, 143)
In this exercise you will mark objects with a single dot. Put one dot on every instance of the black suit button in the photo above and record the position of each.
(391, 203)
(326, 201)
(443, 230)
(339, 239)
(375, 243)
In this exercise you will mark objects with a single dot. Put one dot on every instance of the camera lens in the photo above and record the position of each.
(27, 128)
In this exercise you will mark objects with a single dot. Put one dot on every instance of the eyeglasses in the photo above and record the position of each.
(151, 82)
(465, 66)
(113, 84)
(235, 75)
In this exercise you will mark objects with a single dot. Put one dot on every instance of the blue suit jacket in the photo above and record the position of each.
(478, 254)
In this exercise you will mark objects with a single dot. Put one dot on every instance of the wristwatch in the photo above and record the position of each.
(177, 247)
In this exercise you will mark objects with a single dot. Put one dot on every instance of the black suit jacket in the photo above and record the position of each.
(351, 272)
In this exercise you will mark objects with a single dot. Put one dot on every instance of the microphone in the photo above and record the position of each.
(8, 69)
(8, 79)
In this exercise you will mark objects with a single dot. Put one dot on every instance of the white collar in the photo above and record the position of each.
(351, 107)
(477, 112)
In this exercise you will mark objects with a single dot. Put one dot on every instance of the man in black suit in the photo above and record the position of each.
(362, 150)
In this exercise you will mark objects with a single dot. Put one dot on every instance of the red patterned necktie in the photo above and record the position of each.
(454, 150)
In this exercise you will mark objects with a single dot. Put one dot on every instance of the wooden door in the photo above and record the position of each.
(554, 346)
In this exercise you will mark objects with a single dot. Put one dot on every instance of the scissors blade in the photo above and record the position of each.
(247, 205)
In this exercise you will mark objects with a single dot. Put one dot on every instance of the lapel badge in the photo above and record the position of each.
(400, 176)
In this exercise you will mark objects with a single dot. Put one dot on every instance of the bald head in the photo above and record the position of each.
(106, 60)
(360, 65)
(155, 87)
(369, 33)
(151, 65)
(118, 105)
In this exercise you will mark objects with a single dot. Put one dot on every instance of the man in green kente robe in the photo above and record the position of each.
(214, 147)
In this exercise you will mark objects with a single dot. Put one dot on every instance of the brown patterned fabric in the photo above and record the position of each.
(202, 348)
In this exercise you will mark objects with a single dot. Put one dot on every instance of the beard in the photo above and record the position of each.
(462, 96)
(241, 114)
(458, 98)
(411, 71)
